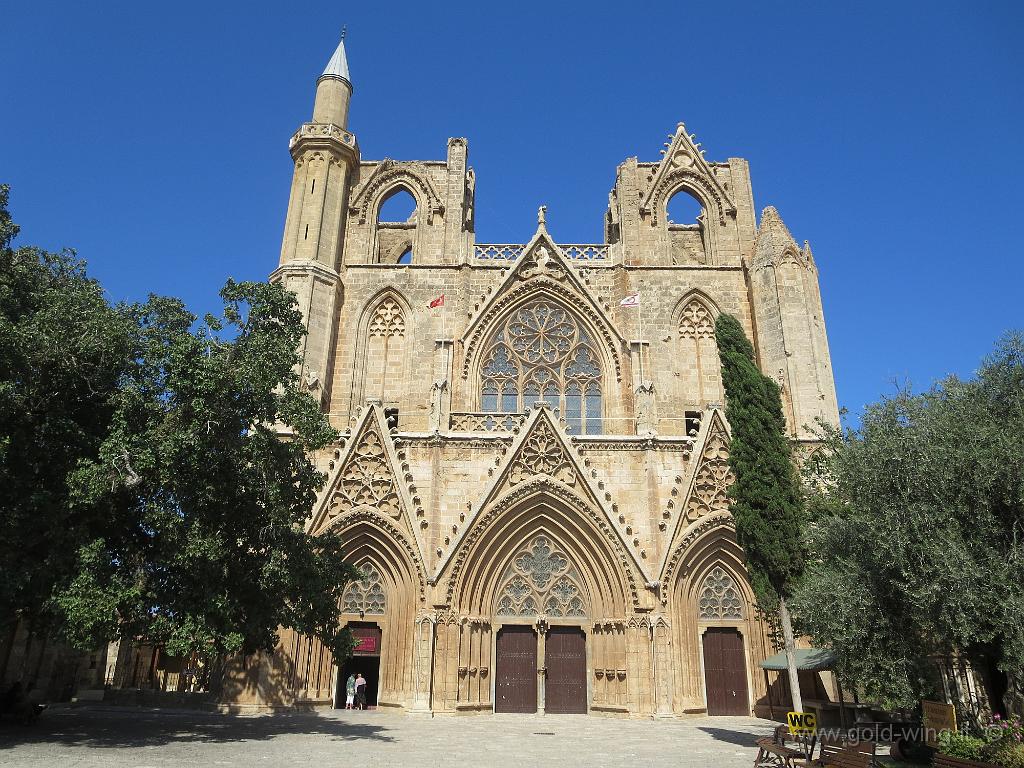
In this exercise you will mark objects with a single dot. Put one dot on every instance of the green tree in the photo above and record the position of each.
(766, 496)
(63, 350)
(160, 465)
(917, 535)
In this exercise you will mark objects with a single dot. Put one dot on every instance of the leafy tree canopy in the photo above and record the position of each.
(156, 498)
(917, 540)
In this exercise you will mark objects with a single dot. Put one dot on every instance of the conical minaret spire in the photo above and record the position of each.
(334, 89)
(338, 65)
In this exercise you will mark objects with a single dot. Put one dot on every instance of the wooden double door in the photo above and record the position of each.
(725, 672)
(516, 671)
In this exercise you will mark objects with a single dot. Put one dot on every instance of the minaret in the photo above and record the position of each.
(792, 345)
(325, 156)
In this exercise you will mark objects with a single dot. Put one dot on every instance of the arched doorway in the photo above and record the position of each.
(721, 611)
(542, 584)
(365, 661)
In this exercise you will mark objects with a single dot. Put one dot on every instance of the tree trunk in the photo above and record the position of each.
(787, 634)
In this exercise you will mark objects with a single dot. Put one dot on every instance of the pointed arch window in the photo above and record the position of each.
(541, 352)
(541, 581)
(720, 598)
(384, 351)
(702, 381)
(365, 595)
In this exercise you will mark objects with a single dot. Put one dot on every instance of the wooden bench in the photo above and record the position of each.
(945, 761)
(832, 747)
(850, 757)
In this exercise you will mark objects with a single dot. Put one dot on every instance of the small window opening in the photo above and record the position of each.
(406, 257)
(312, 187)
(399, 207)
(692, 423)
(391, 418)
(683, 208)
(306, 235)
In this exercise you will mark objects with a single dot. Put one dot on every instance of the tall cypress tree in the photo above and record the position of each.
(766, 499)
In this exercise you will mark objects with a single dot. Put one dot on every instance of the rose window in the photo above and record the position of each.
(541, 353)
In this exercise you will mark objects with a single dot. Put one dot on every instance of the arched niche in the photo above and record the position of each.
(384, 329)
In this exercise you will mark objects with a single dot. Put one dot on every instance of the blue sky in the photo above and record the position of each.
(153, 138)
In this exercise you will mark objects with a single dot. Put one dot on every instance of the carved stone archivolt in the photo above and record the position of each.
(542, 453)
(705, 526)
(366, 478)
(563, 495)
(389, 174)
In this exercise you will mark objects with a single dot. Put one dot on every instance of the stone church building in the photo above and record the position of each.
(532, 472)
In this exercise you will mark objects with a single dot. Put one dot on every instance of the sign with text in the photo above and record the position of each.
(366, 645)
(802, 723)
(937, 717)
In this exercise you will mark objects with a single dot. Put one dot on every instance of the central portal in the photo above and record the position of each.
(565, 684)
(515, 681)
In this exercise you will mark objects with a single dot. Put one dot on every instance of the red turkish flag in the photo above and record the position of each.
(438, 302)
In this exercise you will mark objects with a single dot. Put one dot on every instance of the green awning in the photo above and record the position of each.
(813, 659)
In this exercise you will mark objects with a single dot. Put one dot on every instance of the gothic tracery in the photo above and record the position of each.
(719, 597)
(365, 595)
(696, 321)
(387, 320)
(541, 581)
(366, 479)
(542, 454)
(541, 353)
(711, 485)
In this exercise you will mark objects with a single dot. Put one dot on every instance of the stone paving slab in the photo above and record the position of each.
(90, 737)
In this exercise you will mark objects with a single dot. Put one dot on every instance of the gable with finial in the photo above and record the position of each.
(684, 166)
(364, 481)
(542, 460)
(708, 489)
(542, 268)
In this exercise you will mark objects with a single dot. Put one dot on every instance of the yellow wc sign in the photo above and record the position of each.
(802, 723)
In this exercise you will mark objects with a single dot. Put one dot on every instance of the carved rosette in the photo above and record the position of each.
(542, 454)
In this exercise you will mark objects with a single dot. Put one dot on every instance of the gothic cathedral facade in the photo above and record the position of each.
(532, 473)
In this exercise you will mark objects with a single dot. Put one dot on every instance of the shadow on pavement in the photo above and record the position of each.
(740, 738)
(128, 728)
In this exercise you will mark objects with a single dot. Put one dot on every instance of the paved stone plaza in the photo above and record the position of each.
(83, 738)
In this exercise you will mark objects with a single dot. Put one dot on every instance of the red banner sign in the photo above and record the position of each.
(366, 645)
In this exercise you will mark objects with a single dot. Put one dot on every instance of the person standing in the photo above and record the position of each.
(360, 691)
(350, 691)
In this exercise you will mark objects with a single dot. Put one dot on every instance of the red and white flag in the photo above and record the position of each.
(632, 300)
(438, 302)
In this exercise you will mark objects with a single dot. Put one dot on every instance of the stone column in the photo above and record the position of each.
(542, 633)
(423, 652)
(661, 637)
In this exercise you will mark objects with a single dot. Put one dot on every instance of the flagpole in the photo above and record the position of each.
(640, 321)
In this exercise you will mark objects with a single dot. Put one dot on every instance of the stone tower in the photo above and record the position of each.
(326, 157)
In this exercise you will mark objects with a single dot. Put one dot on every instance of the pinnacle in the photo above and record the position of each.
(338, 65)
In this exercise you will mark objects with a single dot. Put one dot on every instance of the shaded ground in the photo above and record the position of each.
(88, 737)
